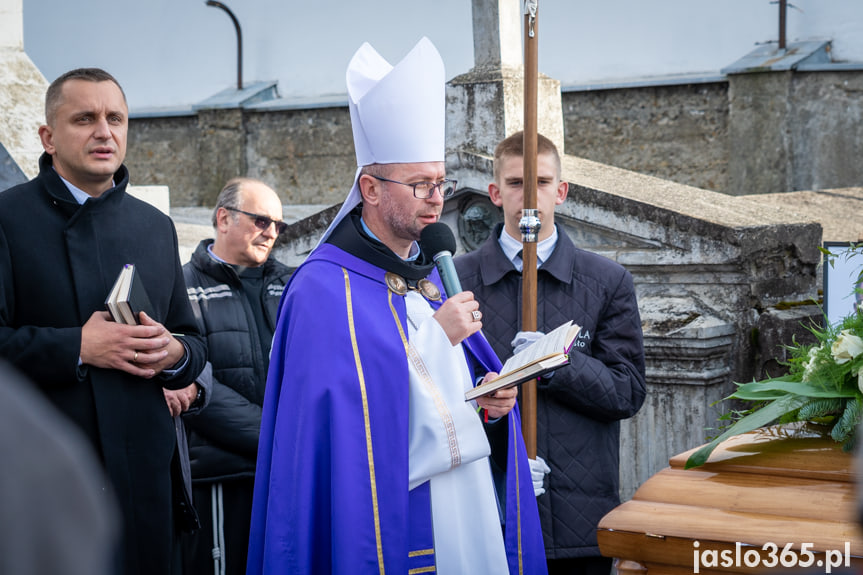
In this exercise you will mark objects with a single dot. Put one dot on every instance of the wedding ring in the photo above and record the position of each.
(134, 359)
(477, 315)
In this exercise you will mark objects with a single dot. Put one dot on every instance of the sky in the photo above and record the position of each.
(169, 53)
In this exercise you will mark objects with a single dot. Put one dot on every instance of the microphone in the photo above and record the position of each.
(437, 239)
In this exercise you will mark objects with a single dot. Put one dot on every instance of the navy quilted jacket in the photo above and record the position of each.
(580, 406)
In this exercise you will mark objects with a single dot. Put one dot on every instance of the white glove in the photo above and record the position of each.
(524, 339)
(538, 470)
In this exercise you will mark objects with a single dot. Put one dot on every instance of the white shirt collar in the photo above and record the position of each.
(512, 248)
(80, 195)
(214, 256)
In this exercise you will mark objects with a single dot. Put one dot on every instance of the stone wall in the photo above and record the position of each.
(795, 131)
(306, 155)
(826, 135)
(165, 151)
(674, 132)
(677, 132)
(749, 134)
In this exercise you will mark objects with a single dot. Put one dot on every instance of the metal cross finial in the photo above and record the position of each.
(530, 7)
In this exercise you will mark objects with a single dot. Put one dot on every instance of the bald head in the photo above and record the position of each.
(246, 220)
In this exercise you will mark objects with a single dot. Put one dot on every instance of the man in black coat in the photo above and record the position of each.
(235, 286)
(64, 236)
(580, 405)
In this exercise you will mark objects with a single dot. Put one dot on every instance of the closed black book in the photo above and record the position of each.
(128, 297)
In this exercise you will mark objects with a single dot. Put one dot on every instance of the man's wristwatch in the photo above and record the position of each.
(199, 396)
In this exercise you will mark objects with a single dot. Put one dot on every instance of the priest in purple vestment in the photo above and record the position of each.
(370, 459)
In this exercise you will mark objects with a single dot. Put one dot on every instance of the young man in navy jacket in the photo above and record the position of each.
(580, 405)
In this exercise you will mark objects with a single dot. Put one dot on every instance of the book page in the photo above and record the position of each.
(554, 342)
(531, 371)
(111, 300)
(123, 295)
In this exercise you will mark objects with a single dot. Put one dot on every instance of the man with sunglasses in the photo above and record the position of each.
(370, 458)
(234, 285)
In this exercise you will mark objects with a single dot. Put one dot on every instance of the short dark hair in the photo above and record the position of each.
(231, 197)
(55, 90)
(513, 146)
(375, 170)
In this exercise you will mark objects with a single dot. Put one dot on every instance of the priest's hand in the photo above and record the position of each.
(500, 402)
(459, 316)
(135, 349)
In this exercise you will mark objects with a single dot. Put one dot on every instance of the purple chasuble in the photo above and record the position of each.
(331, 488)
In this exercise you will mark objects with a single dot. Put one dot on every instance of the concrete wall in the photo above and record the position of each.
(306, 155)
(749, 134)
(165, 151)
(792, 131)
(827, 140)
(676, 132)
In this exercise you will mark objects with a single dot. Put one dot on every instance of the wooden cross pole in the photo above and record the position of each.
(530, 221)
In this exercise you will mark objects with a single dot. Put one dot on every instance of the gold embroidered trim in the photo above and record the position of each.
(421, 553)
(517, 497)
(425, 377)
(422, 570)
(366, 421)
(398, 323)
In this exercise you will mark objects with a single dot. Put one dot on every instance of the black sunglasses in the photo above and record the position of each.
(263, 222)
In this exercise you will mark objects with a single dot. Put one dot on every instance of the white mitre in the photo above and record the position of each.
(398, 113)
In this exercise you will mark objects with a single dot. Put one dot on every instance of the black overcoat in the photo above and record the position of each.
(58, 260)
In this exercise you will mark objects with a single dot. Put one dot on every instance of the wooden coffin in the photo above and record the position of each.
(778, 497)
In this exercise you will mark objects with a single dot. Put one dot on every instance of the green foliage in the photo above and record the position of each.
(824, 383)
(844, 429)
(822, 409)
(759, 418)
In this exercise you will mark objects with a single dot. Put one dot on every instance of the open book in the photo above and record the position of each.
(546, 354)
(128, 297)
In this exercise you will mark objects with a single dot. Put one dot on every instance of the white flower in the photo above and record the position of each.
(810, 365)
(846, 347)
(860, 380)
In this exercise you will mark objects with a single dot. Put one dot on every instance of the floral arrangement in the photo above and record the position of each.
(824, 384)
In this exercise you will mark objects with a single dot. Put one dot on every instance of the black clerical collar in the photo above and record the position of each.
(350, 237)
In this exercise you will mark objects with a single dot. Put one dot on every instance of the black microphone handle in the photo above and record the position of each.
(446, 269)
